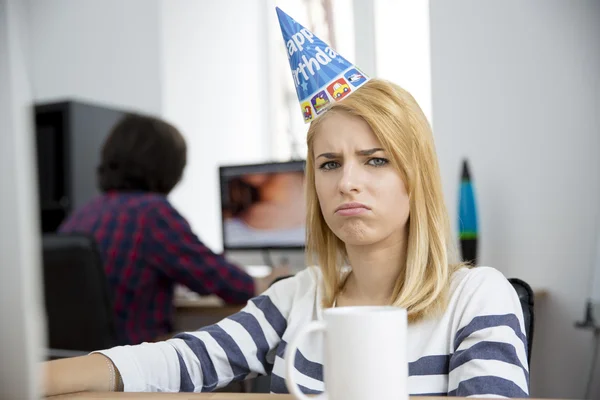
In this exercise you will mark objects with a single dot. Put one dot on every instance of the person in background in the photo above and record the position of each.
(146, 245)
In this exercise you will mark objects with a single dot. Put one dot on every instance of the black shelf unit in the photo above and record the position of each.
(68, 135)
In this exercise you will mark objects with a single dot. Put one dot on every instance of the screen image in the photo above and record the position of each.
(263, 206)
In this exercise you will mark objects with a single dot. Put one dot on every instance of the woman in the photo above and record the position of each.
(374, 204)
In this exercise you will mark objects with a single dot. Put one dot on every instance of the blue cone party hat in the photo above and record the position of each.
(321, 76)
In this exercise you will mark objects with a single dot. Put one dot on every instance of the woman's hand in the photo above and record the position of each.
(92, 373)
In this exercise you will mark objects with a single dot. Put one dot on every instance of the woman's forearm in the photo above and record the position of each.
(94, 372)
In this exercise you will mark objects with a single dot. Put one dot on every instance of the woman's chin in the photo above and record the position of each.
(355, 235)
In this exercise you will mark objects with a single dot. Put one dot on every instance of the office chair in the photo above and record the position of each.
(526, 297)
(78, 307)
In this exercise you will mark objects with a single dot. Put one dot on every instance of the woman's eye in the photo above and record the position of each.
(329, 165)
(378, 162)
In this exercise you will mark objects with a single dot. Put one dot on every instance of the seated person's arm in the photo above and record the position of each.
(178, 253)
(490, 347)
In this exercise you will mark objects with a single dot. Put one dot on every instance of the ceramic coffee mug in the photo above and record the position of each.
(365, 354)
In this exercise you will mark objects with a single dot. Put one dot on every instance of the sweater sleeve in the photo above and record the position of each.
(240, 346)
(490, 347)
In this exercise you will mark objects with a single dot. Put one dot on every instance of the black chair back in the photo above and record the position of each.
(78, 307)
(526, 298)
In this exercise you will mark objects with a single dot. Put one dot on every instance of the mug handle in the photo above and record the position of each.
(290, 356)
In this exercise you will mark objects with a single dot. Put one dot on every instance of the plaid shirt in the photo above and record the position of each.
(147, 247)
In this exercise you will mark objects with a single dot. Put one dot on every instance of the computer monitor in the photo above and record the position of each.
(263, 206)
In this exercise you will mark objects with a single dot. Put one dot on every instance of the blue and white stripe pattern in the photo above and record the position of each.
(476, 348)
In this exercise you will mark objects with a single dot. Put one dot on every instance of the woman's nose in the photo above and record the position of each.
(350, 179)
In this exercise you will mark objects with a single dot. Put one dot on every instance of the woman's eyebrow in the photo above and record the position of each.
(329, 156)
(367, 152)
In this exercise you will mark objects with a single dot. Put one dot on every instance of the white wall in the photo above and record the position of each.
(392, 42)
(215, 78)
(402, 47)
(104, 51)
(364, 36)
(516, 89)
(21, 319)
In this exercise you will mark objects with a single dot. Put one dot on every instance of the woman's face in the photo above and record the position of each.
(362, 196)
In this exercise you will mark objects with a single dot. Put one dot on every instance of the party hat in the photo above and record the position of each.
(321, 76)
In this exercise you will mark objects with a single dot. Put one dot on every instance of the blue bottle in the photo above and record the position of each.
(467, 217)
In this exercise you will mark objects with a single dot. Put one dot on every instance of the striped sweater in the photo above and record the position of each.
(476, 347)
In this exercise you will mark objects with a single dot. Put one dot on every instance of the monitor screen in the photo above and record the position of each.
(263, 206)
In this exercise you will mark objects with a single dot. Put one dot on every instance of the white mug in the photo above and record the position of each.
(365, 354)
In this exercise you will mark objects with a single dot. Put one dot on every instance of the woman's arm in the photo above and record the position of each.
(238, 347)
(94, 372)
(490, 347)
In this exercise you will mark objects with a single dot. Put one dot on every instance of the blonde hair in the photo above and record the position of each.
(404, 132)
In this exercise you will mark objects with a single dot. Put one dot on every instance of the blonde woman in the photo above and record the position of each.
(375, 206)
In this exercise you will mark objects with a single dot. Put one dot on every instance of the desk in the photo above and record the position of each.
(178, 396)
(193, 396)
(205, 306)
(193, 314)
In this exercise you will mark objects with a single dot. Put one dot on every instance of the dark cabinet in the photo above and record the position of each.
(69, 137)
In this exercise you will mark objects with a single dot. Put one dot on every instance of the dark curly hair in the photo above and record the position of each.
(142, 153)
